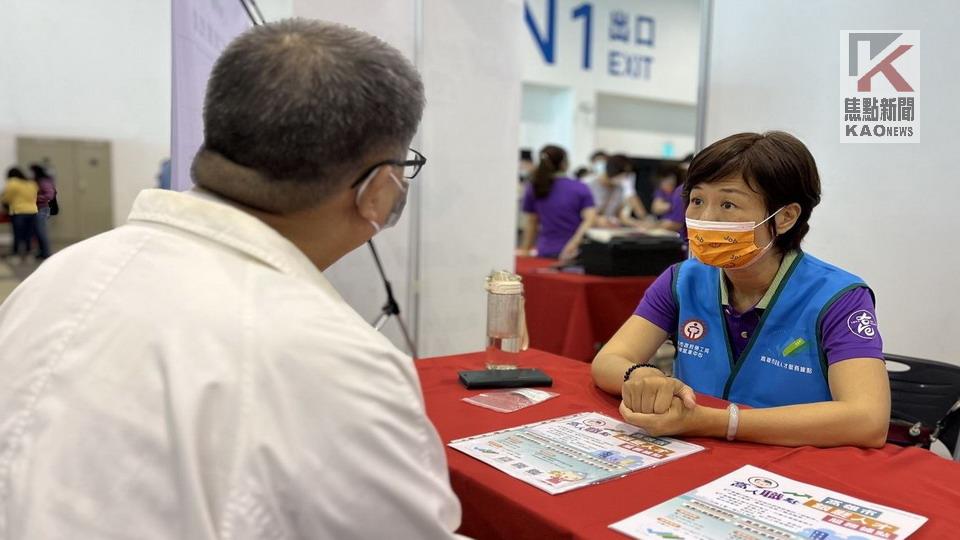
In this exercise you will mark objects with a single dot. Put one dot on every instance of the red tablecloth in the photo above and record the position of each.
(496, 505)
(571, 314)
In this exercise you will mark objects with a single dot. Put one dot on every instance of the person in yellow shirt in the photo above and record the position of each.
(20, 196)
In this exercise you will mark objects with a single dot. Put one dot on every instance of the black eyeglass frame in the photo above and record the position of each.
(418, 162)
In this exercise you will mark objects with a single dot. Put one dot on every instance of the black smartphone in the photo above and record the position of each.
(505, 378)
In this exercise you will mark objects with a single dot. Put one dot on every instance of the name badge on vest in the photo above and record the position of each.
(787, 357)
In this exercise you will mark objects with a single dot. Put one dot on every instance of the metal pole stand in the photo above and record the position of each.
(391, 308)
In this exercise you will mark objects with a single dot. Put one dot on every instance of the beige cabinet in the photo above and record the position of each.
(83, 174)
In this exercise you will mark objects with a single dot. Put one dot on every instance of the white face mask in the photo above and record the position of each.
(728, 226)
(600, 167)
(398, 204)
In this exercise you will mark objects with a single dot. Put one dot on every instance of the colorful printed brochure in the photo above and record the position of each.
(753, 504)
(573, 451)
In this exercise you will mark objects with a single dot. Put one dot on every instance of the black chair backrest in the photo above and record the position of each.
(924, 391)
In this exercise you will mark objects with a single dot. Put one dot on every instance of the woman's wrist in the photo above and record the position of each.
(708, 422)
(640, 371)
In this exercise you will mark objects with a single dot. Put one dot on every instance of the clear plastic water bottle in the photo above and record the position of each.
(506, 323)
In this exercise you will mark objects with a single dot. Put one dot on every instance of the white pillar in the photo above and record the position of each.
(459, 223)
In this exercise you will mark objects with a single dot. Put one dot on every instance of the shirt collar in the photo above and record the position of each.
(209, 216)
(774, 285)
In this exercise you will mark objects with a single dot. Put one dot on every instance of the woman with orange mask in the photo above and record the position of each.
(756, 321)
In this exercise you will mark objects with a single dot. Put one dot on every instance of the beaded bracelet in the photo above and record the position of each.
(626, 376)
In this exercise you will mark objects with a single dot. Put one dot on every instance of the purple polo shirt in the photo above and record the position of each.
(664, 196)
(558, 212)
(661, 194)
(839, 338)
(678, 211)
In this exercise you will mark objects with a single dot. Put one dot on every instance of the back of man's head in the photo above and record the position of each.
(298, 104)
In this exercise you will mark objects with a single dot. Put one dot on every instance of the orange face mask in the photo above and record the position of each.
(726, 244)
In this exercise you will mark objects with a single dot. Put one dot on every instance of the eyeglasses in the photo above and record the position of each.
(411, 166)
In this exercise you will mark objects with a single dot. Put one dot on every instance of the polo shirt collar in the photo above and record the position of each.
(785, 265)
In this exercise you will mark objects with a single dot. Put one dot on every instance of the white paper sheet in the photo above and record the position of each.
(753, 504)
(573, 451)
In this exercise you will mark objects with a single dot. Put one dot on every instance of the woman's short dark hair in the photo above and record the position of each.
(618, 164)
(668, 169)
(774, 164)
(551, 162)
(15, 172)
(39, 172)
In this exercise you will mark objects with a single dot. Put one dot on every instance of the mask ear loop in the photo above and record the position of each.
(773, 227)
(365, 182)
(398, 182)
(765, 249)
(768, 218)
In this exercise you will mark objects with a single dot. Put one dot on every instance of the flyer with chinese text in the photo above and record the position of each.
(753, 504)
(573, 451)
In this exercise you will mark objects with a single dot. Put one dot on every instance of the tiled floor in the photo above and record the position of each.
(8, 281)
(12, 273)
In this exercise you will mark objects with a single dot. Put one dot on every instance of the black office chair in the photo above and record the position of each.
(925, 402)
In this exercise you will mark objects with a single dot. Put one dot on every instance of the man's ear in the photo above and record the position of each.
(372, 201)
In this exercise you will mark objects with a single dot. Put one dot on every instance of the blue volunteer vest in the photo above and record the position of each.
(783, 362)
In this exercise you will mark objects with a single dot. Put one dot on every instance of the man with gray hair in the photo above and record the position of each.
(192, 374)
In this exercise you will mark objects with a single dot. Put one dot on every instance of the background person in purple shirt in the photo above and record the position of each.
(675, 218)
(557, 210)
(768, 294)
(46, 192)
(667, 182)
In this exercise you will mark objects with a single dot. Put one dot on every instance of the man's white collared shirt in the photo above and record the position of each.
(193, 375)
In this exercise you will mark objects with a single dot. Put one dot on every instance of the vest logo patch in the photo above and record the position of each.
(862, 324)
(694, 329)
